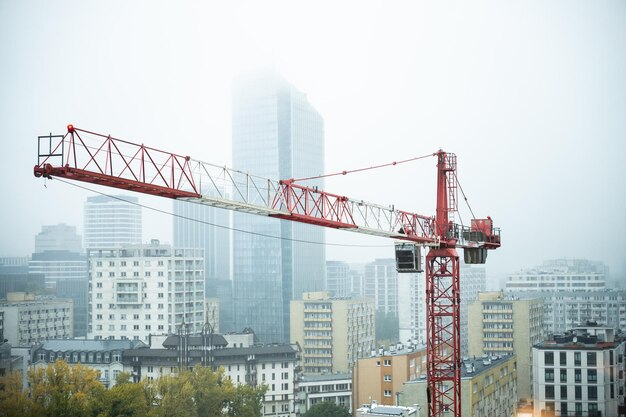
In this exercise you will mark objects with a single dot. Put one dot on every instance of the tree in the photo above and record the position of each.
(63, 391)
(126, 400)
(327, 409)
(13, 401)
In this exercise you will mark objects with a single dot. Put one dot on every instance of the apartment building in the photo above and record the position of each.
(500, 326)
(580, 373)
(317, 388)
(139, 290)
(333, 332)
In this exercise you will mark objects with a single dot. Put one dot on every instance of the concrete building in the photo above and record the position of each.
(138, 290)
(28, 320)
(501, 326)
(105, 356)
(314, 389)
(338, 279)
(273, 365)
(111, 221)
(59, 237)
(379, 377)
(381, 285)
(332, 332)
(277, 134)
(412, 308)
(580, 373)
(66, 276)
(560, 275)
(473, 282)
(488, 389)
(565, 309)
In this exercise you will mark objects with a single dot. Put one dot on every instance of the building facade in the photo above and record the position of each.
(379, 377)
(139, 290)
(59, 237)
(412, 308)
(488, 389)
(560, 275)
(277, 134)
(111, 221)
(272, 365)
(381, 285)
(499, 326)
(332, 332)
(105, 356)
(28, 320)
(315, 389)
(580, 373)
(473, 282)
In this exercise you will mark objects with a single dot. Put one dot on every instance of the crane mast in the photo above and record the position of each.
(86, 156)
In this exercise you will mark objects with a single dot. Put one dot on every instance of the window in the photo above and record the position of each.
(592, 392)
(387, 393)
(563, 375)
(576, 358)
(591, 358)
(592, 376)
(548, 358)
(387, 362)
(549, 375)
(563, 358)
(564, 392)
(577, 375)
(563, 408)
(550, 392)
(578, 392)
(98, 285)
(578, 409)
(388, 378)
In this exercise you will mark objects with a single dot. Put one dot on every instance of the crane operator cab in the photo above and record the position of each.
(481, 232)
(408, 257)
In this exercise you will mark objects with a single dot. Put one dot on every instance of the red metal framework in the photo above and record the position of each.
(125, 165)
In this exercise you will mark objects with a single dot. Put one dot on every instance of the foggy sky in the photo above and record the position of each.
(531, 97)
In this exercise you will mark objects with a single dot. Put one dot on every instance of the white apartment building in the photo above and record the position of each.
(138, 290)
(412, 308)
(560, 275)
(381, 285)
(580, 373)
(28, 320)
(314, 389)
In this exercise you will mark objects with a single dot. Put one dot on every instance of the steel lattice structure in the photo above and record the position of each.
(91, 157)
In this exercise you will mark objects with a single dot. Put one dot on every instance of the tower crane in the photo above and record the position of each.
(82, 155)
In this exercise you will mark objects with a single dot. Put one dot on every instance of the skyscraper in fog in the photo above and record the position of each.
(277, 134)
(111, 221)
(194, 228)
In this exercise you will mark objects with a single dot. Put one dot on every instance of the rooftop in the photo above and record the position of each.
(65, 345)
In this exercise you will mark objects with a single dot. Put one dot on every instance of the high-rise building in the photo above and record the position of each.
(139, 290)
(277, 134)
(473, 282)
(338, 278)
(196, 226)
(59, 237)
(412, 308)
(333, 332)
(580, 373)
(381, 285)
(112, 221)
(500, 326)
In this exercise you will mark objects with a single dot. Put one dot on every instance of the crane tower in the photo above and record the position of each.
(82, 155)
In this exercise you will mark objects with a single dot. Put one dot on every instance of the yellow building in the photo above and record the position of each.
(488, 389)
(498, 325)
(332, 332)
(379, 377)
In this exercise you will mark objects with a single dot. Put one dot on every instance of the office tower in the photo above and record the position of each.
(381, 285)
(473, 282)
(580, 373)
(500, 326)
(194, 227)
(59, 237)
(112, 221)
(139, 290)
(333, 332)
(277, 134)
(338, 279)
(29, 320)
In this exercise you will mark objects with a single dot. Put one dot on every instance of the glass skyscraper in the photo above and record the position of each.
(277, 134)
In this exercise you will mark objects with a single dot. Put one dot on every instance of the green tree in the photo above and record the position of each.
(126, 400)
(327, 409)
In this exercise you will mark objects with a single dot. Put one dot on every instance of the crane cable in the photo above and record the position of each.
(346, 172)
(215, 224)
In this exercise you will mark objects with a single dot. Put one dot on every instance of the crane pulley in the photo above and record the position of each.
(82, 155)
